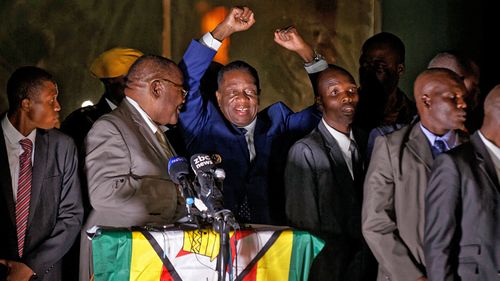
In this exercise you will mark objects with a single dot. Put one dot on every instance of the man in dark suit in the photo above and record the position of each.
(40, 201)
(253, 144)
(324, 180)
(462, 216)
(394, 189)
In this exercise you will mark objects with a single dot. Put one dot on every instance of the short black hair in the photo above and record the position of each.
(336, 68)
(239, 65)
(389, 39)
(23, 84)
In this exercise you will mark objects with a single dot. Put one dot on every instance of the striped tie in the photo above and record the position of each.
(165, 145)
(23, 193)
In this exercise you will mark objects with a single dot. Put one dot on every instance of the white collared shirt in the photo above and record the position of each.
(144, 115)
(111, 104)
(12, 137)
(344, 143)
(450, 138)
(250, 138)
(494, 152)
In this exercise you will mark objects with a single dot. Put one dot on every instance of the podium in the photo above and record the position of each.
(257, 253)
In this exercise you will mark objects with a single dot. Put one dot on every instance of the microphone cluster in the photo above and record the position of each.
(205, 185)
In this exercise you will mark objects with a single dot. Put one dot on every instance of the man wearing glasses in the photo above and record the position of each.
(253, 144)
(127, 154)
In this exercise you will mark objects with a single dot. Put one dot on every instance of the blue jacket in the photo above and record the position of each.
(205, 130)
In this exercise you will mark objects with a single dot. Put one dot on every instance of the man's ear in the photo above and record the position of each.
(318, 100)
(26, 104)
(426, 100)
(156, 88)
(218, 95)
(401, 68)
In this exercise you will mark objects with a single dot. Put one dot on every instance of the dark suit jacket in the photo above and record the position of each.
(462, 222)
(79, 122)
(206, 130)
(322, 198)
(56, 210)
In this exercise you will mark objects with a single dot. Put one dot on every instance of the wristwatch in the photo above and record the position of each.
(317, 57)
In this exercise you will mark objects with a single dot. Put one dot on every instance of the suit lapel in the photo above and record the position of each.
(260, 137)
(485, 163)
(419, 146)
(6, 182)
(339, 167)
(39, 169)
(143, 128)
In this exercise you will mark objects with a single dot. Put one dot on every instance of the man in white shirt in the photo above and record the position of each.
(40, 202)
(462, 216)
(324, 179)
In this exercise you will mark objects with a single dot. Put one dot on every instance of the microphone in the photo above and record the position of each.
(178, 170)
(210, 195)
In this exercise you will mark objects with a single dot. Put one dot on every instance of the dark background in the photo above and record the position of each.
(65, 36)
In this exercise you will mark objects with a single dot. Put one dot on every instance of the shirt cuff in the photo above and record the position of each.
(209, 41)
(316, 66)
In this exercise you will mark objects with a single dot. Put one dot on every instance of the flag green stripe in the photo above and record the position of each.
(303, 254)
(112, 253)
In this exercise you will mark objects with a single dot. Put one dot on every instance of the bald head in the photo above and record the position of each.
(155, 83)
(491, 121)
(150, 67)
(439, 97)
(434, 80)
(465, 68)
(450, 61)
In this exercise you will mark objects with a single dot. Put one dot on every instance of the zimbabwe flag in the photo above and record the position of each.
(279, 254)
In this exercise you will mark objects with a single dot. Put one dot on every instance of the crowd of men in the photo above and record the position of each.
(398, 189)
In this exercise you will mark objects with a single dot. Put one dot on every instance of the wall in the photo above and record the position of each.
(428, 27)
(65, 36)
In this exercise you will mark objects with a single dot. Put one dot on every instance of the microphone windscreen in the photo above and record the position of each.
(177, 167)
(201, 162)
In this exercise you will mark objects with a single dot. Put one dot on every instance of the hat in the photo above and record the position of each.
(114, 62)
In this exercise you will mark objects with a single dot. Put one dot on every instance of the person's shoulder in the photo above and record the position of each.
(311, 140)
(57, 137)
(278, 107)
(400, 134)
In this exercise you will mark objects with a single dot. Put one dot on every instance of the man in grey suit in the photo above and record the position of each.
(127, 154)
(462, 211)
(40, 201)
(323, 182)
(394, 188)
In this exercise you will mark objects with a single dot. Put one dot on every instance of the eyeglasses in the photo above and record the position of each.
(184, 92)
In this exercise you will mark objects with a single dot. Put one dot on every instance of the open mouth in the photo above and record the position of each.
(241, 110)
(348, 109)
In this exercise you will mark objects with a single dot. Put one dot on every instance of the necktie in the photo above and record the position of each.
(438, 147)
(169, 151)
(244, 211)
(250, 145)
(23, 193)
(355, 158)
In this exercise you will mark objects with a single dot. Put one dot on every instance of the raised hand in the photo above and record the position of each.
(238, 19)
(290, 39)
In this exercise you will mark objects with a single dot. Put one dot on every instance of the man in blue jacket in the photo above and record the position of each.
(253, 144)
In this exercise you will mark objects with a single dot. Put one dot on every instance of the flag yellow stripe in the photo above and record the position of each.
(145, 265)
(275, 264)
